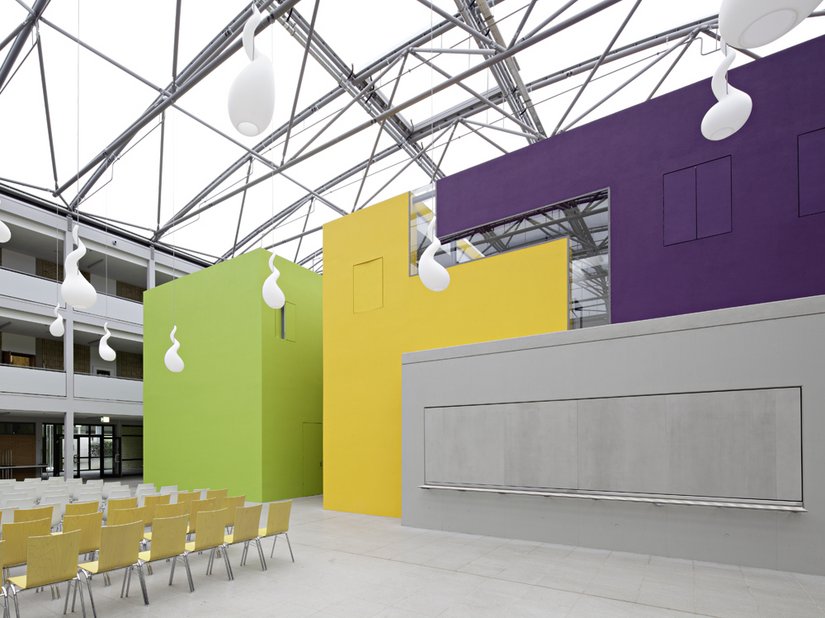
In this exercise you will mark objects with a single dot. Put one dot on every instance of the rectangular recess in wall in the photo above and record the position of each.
(368, 286)
(714, 204)
(811, 158)
(679, 206)
(285, 324)
(738, 445)
(697, 201)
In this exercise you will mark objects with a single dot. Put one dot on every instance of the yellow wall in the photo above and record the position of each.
(374, 311)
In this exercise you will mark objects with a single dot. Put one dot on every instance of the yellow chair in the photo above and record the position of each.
(42, 512)
(185, 497)
(82, 508)
(89, 527)
(3, 588)
(169, 541)
(220, 494)
(245, 531)
(164, 511)
(151, 502)
(211, 525)
(119, 548)
(121, 503)
(118, 517)
(277, 523)
(198, 506)
(51, 559)
(16, 537)
(232, 503)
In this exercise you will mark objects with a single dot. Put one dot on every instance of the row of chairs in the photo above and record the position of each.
(122, 544)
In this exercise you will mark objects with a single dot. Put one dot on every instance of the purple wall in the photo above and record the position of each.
(751, 230)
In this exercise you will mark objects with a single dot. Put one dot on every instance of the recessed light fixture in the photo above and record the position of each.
(752, 23)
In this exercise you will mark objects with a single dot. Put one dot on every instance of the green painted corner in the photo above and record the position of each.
(240, 413)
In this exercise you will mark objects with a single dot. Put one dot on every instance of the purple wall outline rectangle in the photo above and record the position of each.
(771, 253)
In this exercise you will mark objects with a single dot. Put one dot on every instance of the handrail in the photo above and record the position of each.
(790, 507)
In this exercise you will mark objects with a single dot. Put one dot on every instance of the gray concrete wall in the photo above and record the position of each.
(710, 406)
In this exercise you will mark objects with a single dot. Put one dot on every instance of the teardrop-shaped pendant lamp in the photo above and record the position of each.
(252, 94)
(752, 23)
(76, 290)
(432, 274)
(172, 359)
(103, 348)
(733, 107)
(56, 328)
(5, 232)
(273, 295)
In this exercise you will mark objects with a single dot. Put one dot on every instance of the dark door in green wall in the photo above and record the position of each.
(313, 456)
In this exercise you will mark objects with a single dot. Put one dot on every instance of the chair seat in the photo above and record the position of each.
(19, 581)
(147, 536)
(190, 546)
(91, 567)
(145, 556)
(262, 532)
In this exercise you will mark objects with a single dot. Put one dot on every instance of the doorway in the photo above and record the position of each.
(97, 452)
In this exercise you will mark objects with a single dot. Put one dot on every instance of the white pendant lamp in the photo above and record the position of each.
(76, 291)
(172, 359)
(5, 232)
(56, 328)
(733, 107)
(103, 348)
(752, 23)
(273, 295)
(252, 94)
(432, 274)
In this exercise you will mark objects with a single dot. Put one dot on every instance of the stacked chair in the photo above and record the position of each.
(56, 531)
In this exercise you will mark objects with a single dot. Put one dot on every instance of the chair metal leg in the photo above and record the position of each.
(172, 572)
(107, 580)
(126, 572)
(243, 554)
(82, 598)
(229, 574)
(210, 562)
(261, 553)
(142, 578)
(274, 540)
(14, 598)
(188, 572)
(288, 544)
(66, 602)
(76, 583)
(91, 598)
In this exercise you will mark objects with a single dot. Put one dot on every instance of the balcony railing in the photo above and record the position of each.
(45, 291)
(32, 381)
(108, 388)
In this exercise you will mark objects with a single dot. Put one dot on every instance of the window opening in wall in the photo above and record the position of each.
(584, 220)
(283, 322)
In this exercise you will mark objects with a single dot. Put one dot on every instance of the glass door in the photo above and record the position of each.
(111, 457)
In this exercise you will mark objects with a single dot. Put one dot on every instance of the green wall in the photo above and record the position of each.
(239, 414)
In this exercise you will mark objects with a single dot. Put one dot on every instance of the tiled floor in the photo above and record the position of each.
(360, 566)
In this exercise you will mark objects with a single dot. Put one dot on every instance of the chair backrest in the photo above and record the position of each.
(52, 558)
(232, 503)
(198, 506)
(247, 519)
(220, 494)
(184, 497)
(153, 501)
(119, 493)
(171, 510)
(145, 488)
(119, 517)
(94, 483)
(88, 525)
(121, 503)
(20, 503)
(210, 532)
(17, 535)
(87, 495)
(277, 517)
(82, 508)
(168, 536)
(119, 545)
(43, 512)
(169, 489)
